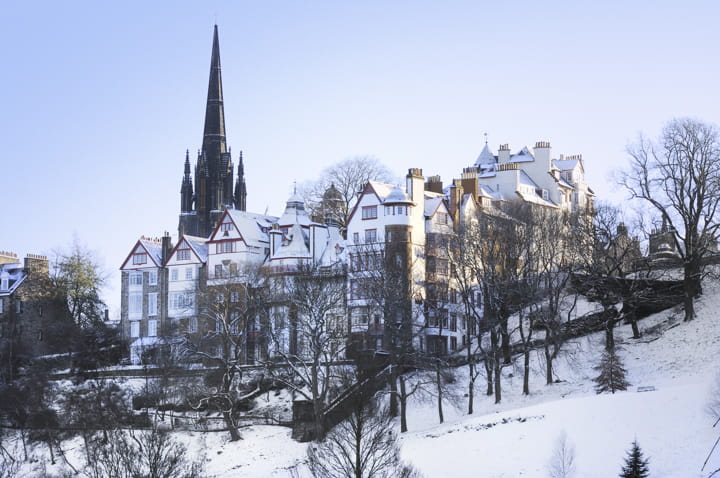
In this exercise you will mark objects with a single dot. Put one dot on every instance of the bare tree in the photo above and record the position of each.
(363, 446)
(347, 177)
(140, 454)
(562, 461)
(228, 311)
(312, 310)
(679, 176)
(608, 256)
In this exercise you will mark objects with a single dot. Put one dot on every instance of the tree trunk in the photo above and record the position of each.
(438, 377)
(392, 382)
(526, 370)
(498, 390)
(505, 342)
(609, 331)
(548, 359)
(471, 392)
(691, 287)
(403, 406)
(635, 328)
(232, 428)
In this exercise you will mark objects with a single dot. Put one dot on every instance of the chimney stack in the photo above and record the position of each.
(503, 153)
(166, 247)
(434, 184)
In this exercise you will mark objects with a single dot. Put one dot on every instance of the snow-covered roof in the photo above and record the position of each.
(486, 157)
(199, 245)
(334, 249)
(431, 205)
(154, 249)
(396, 195)
(252, 227)
(526, 180)
(296, 247)
(522, 156)
(562, 182)
(565, 164)
(294, 213)
(15, 275)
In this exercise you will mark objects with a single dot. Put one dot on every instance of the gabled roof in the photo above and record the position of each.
(431, 206)
(197, 244)
(334, 249)
(252, 227)
(149, 246)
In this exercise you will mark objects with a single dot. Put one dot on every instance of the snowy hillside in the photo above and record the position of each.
(517, 437)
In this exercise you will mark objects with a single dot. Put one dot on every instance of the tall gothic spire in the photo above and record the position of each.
(214, 131)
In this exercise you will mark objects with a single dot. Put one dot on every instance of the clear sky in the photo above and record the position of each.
(100, 100)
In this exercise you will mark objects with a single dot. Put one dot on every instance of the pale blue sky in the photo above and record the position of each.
(100, 100)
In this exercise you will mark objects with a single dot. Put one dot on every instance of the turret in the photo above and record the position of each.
(186, 190)
(240, 189)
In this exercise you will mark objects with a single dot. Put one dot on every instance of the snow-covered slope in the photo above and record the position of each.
(516, 437)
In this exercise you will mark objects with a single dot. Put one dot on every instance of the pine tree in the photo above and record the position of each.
(635, 465)
(612, 373)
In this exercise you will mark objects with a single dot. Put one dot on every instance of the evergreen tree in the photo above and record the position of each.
(612, 373)
(635, 465)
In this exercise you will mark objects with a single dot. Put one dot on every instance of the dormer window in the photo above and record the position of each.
(183, 254)
(441, 218)
(4, 283)
(140, 258)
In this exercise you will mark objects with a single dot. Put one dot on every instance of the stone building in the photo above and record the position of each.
(31, 315)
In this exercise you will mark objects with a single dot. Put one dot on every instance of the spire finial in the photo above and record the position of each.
(486, 142)
(294, 188)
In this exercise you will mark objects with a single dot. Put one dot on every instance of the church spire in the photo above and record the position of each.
(240, 190)
(214, 131)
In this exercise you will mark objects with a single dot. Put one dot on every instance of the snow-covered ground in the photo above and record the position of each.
(517, 437)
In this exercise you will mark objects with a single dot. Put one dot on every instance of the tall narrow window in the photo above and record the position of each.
(370, 235)
(134, 329)
(152, 277)
(152, 304)
(152, 328)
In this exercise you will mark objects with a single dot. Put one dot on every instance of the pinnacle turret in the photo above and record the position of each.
(240, 190)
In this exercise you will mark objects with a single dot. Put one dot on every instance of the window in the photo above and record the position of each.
(218, 270)
(453, 323)
(234, 320)
(181, 300)
(453, 343)
(234, 296)
(193, 325)
(173, 274)
(360, 316)
(356, 237)
(136, 278)
(188, 273)
(225, 246)
(369, 212)
(400, 210)
(545, 195)
(19, 306)
(442, 218)
(370, 235)
(140, 258)
(441, 266)
(4, 284)
(183, 254)
(135, 303)
(152, 277)
(134, 329)
(152, 304)
(152, 328)
(1, 305)
(233, 269)
(389, 210)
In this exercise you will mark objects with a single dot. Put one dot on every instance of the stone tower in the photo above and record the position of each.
(201, 207)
